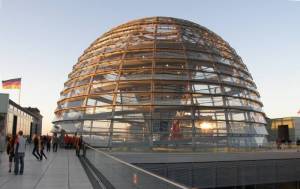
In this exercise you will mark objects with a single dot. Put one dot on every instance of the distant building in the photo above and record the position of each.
(285, 128)
(14, 117)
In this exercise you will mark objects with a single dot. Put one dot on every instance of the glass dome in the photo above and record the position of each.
(162, 82)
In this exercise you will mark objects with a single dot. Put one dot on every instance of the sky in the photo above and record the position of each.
(40, 41)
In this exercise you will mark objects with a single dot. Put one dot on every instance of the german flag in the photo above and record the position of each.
(12, 83)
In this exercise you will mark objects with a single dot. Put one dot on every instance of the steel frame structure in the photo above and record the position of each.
(162, 81)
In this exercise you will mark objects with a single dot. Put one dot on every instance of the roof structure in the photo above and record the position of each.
(162, 81)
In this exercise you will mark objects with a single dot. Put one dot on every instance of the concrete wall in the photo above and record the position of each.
(297, 127)
(4, 98)
(4, 102)
(225, 174)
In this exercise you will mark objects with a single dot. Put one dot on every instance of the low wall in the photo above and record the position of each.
(222, 174)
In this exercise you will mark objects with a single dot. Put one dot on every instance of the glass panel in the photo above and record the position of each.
(139, 54)
(82, 81)
(236, 115)
(71, 104)
(236, 102)
(206, 88)
(133, 98)
(168, 86)
(101, 126)
(109, 76)
(78, 91)
(132, 112)
(136, 74)
(103, 87)
(106, 66)
(103, 109)
(165, 28)
(198, 56)
(172, 99)
(240, 128)
(134, 86)
(170, 74)
(168, 45)
(217, 114)
(257, 117)
(204, 100)
(69, 114)
(169, 64)
(112, 57)
(88, 70)
(131, 64)
(100, 100)
(169, 54)
(201, 66)
(204, 76)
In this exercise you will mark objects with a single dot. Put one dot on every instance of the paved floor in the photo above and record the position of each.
(62, 170)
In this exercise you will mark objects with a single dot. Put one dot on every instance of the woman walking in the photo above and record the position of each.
(35, 150)
(10, 151)
(42, 147)
(48, 140)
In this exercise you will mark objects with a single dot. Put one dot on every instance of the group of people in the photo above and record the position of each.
(16, 146)
(39, 143)
(72, 142)
(288, 143)
(16, 151)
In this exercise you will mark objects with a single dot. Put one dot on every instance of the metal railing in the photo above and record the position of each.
(120, 174)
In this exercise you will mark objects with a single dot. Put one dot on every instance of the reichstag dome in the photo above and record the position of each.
(162, 82)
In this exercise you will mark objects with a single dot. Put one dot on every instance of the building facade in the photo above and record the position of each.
(285, 129)
(162, 82)
(14, 117)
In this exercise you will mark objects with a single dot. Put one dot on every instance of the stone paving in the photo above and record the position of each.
(62, 170)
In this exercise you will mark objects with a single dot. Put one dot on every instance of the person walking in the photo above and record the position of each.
(35, 150)
(42, 147)
(278, 143)
(10, 151)
(77, 145)
(54, 142)
(20, 145)
(48, 141)
(298, 144)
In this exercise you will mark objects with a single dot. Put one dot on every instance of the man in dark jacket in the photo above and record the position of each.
(54, 142)
(35, 150)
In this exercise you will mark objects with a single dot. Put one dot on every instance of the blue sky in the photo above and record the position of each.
(40, 41)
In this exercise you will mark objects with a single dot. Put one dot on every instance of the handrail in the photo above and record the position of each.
(137, 168)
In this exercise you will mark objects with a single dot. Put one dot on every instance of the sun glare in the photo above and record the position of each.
(205, 126)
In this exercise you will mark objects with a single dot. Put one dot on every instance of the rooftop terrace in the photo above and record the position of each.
(62, 170)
